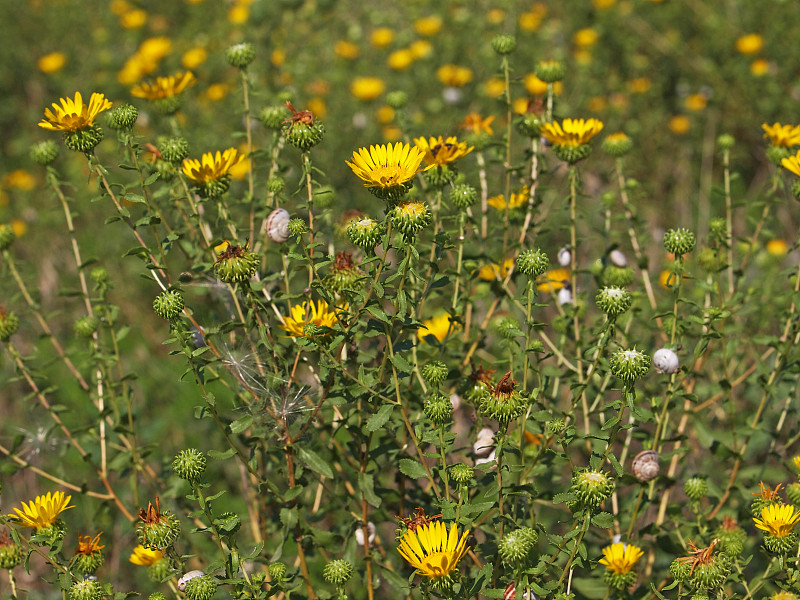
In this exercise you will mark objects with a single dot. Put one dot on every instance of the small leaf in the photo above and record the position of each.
(412, 469)
(314, 462)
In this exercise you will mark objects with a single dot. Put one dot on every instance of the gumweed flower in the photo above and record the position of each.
(619, 560)
(211, 174)
(236, 263)
(679, 124)
(51, 63)
(585, 38)
(749, 44)
(145, 557)
(387, 170)
(304, 318)
(367, 88)
(433, 551)
(88, 556)
(695, 102)
(428, 26)
(553, 280)
(157, 530)
(440, 151)
(784, 136)
(439, 327)
(194, 57)
(43, 511)
(571, 137)
(76, 120)
(454, 75)
(382, 37)
(517, 200)
(778, 521)
(494, 271)
(410, 217)
(420, 48)
(759, 67)
(591, 487)
(777, 247)
(400, 60)
(165, 92)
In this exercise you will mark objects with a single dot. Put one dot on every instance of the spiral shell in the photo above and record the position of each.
(278, 225)
(666, 361)
(617, 258)
(645, 465)
(370, 533)
(188, 576)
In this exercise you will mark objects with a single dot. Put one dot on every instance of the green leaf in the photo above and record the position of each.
(367, 486)
(412, 469)
(603, 520)
(152, 178)
(240, 424)
(314, 462)
(217, 455)
(379, 419)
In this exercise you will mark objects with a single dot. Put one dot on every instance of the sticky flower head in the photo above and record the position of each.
(73, 114)
(308, 314)
(440, 151)
(211, 174)
(387, 170)
(784, 136)
(778, 519)
(431, 550)
(572, 132)
(164, 87)
(620, 557)
(43, 511)
(144, 557)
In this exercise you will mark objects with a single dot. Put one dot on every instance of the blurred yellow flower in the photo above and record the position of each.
(385, 114)
(51, 63)
(42, 511)
(529, 21)
(494, 271)
(495, 87)
(239, 14)
(277, 57)
(211, 167)
(597, 104)
(553, 280)
(345, 49)
(367, 88)
(118, 7)
(73, 114)
(164, 87)
(519, 106)
(603, 4)
(20, 227)
(392, 133)
(454, 75)
(144, 557)
(679, 124)
(585, 38)
(307, 313)
(428, 26)
(382, 37)
(777, 247)
(133, 19)
(476, 124)
(421, 48)
(750, 44)
(441, 151)
(194, 57)
(571, 132)
(792, 163)
(640, 85)
(759, 67)
(400, 60)
(216, 92)
(439, 327)
(517, 200)
(495, 16)
(695, 102)
(20, 179)
(317, 106)
(784, 136)
(155, 48)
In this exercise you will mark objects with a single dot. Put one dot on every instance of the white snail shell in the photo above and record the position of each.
(564, 296)
(360, 533)
(510, 593)
(618, 258)
(278, 225)
(188, 576)
(645, 465)
(485, 442)
(665, 361)
(564, 257)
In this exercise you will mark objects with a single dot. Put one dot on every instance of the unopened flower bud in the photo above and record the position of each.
(86, 326)
(338, 572)
(397, 99)
(123, 117)
(189, 464)
(515, 548)
(240, 55)
(613, 301)
(7, 236)
(88, 589)
(592, 487)
(725, 142)
(617, 145)
(365, 233)
(617, 276)
(297, 227)
(169, 304)
(272, 117)
(550, 71)
(304, 136)
(44, 153)
(410, 217)
(275, 185)
(438, 409)
(84, 140)
(504, 44)
(679, 241)
(463, 196)
(201, 587)
(695, 488)
(434, 372)
(462, 474)
(173, 149)
(530, 125)
(533, 263)
(629, 365)
(277, 571)
(9, 323)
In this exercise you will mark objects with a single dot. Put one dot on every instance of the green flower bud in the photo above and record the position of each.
(615, 276)
(200, 588)
(617, 145)
(169, 304)
(619, 581)
(304, 136)
(49, 535)
(168, 105)
(533, 263)
(572, 154)
(275, 185)
(796, 190)
(410, 218)
(344, 274)
(86, 326)
(463, 196)
(613, 301)
(11, 554)
(87, 564)
(679, 241)
(277, 571)
(556, 426)
(434, 372)
(793, 493)
(462, 474)
(157, 596)
(711, 259)
(516, 547)
(159, 571)
(9, 323)
(780, 544)
(272, 117)
(592, 487)
(365, 233)
(439, 409)
(214, 188)
(440, 175)
(157, 530)
(84, 140)
(189, 464)
(397, 99)
(44, 153)
(609, 199)
(173, 149)
(240, 55)
(725, 142)
(7, 236)
(718, 230)
(530, 125)
(99, 275)
(504, 44)
(679, 569)
(338, 572)
(775, 154)
(236, 263)
(502, 403)
(89, 589)
(228, 523)
(550, 71)
(709, 575)
(629, 365)
(696, 488)
(297, 227)
(508, 328)
(123, 117)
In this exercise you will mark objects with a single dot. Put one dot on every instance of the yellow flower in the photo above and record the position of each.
(385, 114)
(317, 106)
(400, 60)
(216, 92)
(440, 151)
(43, 511)
(154, 49)
(603, 4)
(439, 327)
(238, 14)
(51, 63)
(495, 16)
(144, 557)
(428, 26)
(386, 166)
(553, 280)
(392, 133)
(119, 7)
(750, 43)
(529, 21)
(133, 19)
(585, 38)
(679, 124)
(211, 167)
(640, 85)
(495, 271)
(164, 87)
(495, 87)
(367, 88)
(21, 179)
(517, 200)
(534, 85)
(20, 227)
(307, 313)
(73, 114)
(194, 57)
(277, 57)
(620, 558)
(421, 48)
(382, 37)
(475, 123)
(571, 132)
(454, 76)
(785, 136)
(796, 461)
(345, 49)
(778, 247)
(759, 67)
(696, 102)
(777, 519)
(431, 550)
(520, 106)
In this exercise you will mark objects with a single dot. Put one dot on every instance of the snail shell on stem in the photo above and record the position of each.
(645, 465)
(185, 579)
(278, 225)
